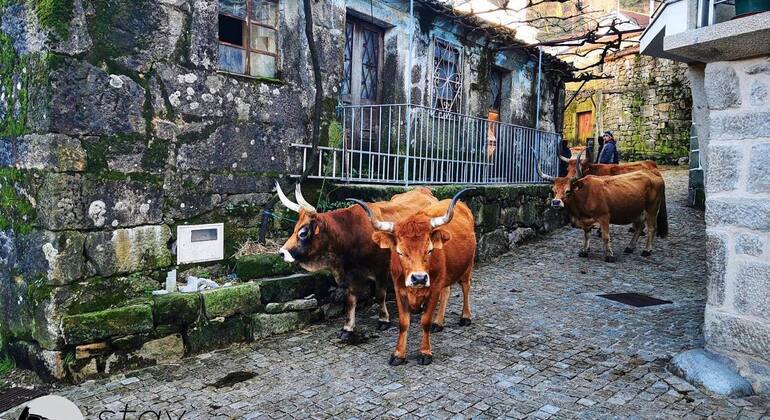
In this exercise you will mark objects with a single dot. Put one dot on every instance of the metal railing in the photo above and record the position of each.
(375, 144)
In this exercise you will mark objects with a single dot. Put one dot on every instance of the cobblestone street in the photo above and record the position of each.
(542, 344)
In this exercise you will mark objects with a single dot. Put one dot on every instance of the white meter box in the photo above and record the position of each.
(200, 243)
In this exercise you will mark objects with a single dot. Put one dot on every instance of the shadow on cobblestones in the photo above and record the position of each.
(542, 345)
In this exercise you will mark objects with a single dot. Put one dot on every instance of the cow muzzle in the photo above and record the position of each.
(557, 203)
(286, 255)
(418, 280)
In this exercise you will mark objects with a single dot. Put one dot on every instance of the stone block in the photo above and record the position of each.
(752, 290)
(291, 306)
(265, 325)
(50, 152)
(57, 254)
(228, 301)
(716, 263)
(726, 331)
(48, 364)
(176, 308)
(297, 286)
(741, 125)
(710, 371)
(215, 334)
(100, 293)
(724, 169)
(758, 93)
(121, 203)
(492, 244)
(85, 351)
(169, 349)
(129, 250)
(95, 326)
(752, 213)
(59, 203)
(722, 86)
(759, 175)
(262, 265)
(749, 244)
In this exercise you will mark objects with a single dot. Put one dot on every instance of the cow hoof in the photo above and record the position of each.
(346, 336)
(424, 359)
(583, 254)
(646, 253)
(609, 258)
(628, 250)
(396, 361)
(464, 322)
(383, 325)
(435, 328)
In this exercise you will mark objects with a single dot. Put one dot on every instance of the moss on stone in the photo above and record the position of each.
(262, 265)
(100, 293)
(95, 326)
(14, 82)
(265, 325)
(228, 301)
(155, 155)
(16, 211)
(176, 308)
(297, 286)
(216, 334)
(55, 15)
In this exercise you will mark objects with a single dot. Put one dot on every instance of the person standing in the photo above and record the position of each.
(564, 152)
(609, 153)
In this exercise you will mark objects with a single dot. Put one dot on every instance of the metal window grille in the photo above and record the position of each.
(447, 78)
(440, 148)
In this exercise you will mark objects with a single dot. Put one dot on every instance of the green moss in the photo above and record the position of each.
(155, 155)
(262, 265)
(16, 212)
(217, 334)
(14, 82)
(228, 301)
(176, 308)
(95, 326)
(55, 15)
(100, 293)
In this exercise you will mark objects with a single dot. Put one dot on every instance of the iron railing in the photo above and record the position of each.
(378, 144)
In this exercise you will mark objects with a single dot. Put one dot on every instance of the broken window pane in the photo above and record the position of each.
(262, 39)
(232, 59)
(262, 65)
(233, 7)
(230, 30)
(264, 12)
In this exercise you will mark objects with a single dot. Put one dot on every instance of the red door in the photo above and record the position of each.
(585, 126)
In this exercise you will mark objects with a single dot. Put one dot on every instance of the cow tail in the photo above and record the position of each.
(662, 229)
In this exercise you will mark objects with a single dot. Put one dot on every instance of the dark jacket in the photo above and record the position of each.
(563, 166)
(609, 153)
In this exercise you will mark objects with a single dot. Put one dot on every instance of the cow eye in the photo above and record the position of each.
(302, 234)
(430, 251)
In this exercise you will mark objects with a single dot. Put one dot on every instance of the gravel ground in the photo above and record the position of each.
(542, 344)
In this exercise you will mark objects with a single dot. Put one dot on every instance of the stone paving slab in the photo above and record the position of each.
(541, 345)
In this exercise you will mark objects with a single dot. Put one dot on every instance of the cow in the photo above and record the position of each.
(429, 252)
(607, 168)
(340, 241)
(636, 198)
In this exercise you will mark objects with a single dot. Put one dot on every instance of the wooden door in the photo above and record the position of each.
(585, 123)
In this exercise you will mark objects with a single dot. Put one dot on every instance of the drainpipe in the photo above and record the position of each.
(408, 85)
(539, 76)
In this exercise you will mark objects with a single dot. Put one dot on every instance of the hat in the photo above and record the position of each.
(609, 133)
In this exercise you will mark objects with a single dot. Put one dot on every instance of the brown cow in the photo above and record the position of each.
(429, 252)
(341, 241)
(636, 198)
(607, 168)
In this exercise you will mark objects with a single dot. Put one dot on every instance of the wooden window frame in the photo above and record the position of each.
(357, 58)
(247, 39)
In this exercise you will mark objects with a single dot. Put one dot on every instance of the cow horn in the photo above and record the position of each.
(563, 159)
(301, 200)
(578, 167)
(442, 220)
(378, 225)
(285, 200)
(540, 172)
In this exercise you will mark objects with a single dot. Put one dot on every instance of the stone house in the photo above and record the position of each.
(728, 60)
(125, 119)
(645, 101)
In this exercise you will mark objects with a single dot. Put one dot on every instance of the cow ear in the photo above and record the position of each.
(438, 237)
(383, 239)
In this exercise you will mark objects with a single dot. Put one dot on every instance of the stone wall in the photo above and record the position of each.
(737, 320)
(646, 104)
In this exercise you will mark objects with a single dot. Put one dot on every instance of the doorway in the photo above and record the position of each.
(584, 126)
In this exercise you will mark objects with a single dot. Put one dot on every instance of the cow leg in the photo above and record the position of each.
(586, 242)
(465, 283)
(350, 324)
(443, 300)
(652, 226)
(399, 356)
(426, 353)
(609, 256)
(383, 323)
(637, 229)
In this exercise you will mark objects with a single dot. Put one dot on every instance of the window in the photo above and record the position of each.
(361, 67)
(495, 93)
(447, 76)
(247, 37)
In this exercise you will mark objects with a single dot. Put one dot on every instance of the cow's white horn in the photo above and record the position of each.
(376, 224)
(285, 200)
(301, 200)
(442, 220)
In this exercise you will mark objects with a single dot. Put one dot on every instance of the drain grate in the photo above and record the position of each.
(638, 300)
(12, 397)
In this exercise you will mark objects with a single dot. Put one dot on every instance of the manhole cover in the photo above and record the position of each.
(638, 300)
(12, 397)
